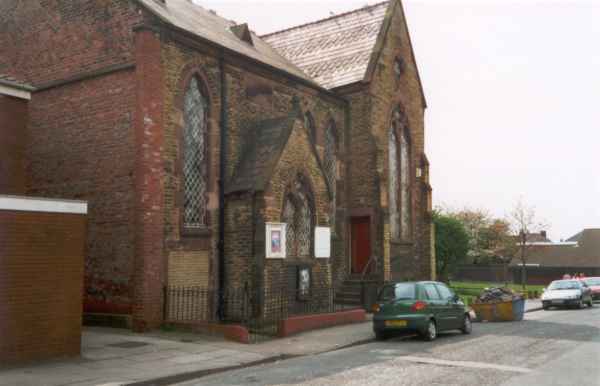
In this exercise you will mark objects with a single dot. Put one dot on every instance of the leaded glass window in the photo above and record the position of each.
(288, 217)
(303, 226)
(330, 166)
(405, 186)
(393, 184)
(298, 215)
(194, 157)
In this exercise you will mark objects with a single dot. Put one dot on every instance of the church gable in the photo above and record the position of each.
(298, 161)
(271, 143)
(393, 53)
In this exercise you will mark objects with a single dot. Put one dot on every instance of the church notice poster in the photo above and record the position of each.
(275, 242)
(322, 242)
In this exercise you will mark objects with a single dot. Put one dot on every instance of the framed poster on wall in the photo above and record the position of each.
(275, 241)
(322, 242)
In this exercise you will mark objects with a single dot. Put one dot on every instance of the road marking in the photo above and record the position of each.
(473, 365)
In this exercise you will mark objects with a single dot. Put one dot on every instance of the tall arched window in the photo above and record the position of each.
(309, 123)
(393, 183)
(194, 156)
(405, 213)
(330, 166)
(399, 179)
(298, 215)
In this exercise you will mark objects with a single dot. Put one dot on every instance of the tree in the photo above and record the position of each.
(475, 222)
(523, 222)
(451, 243)
(498, 243)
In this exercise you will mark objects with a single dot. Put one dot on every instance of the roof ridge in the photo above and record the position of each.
(366, 7)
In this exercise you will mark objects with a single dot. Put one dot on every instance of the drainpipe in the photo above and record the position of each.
(222, 175)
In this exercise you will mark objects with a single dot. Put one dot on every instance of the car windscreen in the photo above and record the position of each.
(592, 281)
(565, 285)
(399, 291)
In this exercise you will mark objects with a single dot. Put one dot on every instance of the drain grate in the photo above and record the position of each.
(129, 344)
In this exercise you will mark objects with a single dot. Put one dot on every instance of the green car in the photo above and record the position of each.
(425, 307)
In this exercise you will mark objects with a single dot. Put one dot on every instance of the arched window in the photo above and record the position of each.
(330, 166)
(393, 184)
(194, 156)
(298, 215)
(399, 179)
(405, 212)
(309, 123)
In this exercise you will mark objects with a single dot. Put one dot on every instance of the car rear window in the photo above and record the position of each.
(431, 292)
(592, 281)
(397, 292)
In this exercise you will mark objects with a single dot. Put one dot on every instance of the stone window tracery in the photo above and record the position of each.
(194, 157)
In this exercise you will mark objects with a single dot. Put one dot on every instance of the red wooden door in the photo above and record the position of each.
(361, 243)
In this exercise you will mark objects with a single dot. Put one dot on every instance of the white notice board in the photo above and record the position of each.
(322, 242)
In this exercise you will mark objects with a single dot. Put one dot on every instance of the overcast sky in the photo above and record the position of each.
(513, 89)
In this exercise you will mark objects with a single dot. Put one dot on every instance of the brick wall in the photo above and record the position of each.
(13, 118)
(251, 95)
(81, 141)
(46, 40)
(81, 146)
(41, 281)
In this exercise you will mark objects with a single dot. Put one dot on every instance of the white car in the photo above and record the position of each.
(567, 293)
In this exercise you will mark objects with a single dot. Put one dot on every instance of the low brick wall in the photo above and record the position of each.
(41, 278)
(297, 324)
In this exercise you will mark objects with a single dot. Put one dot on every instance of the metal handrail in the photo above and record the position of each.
(365, 269)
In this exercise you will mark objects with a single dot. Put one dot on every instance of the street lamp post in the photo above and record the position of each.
(523, 236)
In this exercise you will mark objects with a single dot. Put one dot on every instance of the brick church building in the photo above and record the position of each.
(188, 134)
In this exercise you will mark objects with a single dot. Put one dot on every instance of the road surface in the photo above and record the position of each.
(557, 347)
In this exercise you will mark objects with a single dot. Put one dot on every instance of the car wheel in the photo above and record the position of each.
(467, 325)
(430, 332)
(381, 335)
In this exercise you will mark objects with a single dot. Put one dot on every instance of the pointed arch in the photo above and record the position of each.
(400, 207)
(298, 213)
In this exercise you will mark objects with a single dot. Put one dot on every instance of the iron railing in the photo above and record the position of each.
(260, 310)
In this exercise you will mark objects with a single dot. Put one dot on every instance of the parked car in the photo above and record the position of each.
(424, 307)
(567, 293)
(594, 284)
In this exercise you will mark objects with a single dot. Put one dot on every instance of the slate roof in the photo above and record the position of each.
(586, 253)
(201, 22)
(267, 139)
(7, 80)
(335, 51)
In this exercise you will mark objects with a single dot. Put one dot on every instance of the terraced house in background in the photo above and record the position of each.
(187, 134)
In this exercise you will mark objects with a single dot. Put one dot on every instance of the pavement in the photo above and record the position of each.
(118, 357)
(548, 348)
